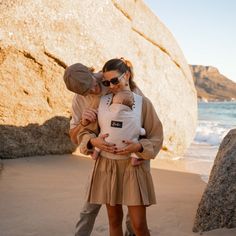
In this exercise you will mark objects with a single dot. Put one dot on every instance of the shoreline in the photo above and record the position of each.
(43, 195)
(198, 159)
(233, 100)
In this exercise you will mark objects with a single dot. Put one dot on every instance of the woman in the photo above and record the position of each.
(115, 182)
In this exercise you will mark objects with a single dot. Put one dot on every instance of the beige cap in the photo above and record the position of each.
(78, 78)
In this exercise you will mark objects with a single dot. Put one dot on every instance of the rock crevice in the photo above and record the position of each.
(57, 60)
(157, 45)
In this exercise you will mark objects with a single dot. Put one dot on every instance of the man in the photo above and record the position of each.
(86, 84)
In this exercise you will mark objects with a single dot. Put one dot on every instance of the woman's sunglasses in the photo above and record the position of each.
(114, 81)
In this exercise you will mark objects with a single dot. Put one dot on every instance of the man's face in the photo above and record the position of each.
(95, 87)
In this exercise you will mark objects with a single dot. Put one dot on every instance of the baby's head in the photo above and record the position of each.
(124, 97)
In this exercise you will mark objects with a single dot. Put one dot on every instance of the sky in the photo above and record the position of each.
(204, 29)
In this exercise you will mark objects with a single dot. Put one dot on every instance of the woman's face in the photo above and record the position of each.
(121, 81)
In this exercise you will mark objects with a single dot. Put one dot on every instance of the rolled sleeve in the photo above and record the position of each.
(84, 145)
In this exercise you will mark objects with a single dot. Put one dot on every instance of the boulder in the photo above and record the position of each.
(39, 38)
(49, 138)
(217, 208)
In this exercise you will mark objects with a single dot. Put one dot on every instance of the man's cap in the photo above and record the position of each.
(78, 78)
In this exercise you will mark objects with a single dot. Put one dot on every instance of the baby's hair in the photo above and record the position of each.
(126, 98)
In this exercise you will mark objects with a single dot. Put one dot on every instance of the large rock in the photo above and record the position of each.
(39, 38)
(49, 138)
(217, 208)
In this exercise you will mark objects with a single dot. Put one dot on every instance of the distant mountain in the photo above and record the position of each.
(211, 85)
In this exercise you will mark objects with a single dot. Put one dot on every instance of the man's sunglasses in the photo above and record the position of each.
(114, 81)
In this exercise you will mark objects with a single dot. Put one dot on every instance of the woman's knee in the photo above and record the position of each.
(115, 215)
(115, 221)
(139, 225)
(138, 219)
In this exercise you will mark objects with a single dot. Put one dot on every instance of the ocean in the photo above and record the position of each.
(215, 119)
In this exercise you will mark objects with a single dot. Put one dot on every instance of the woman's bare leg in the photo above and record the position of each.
(139, 221)
(115, 216)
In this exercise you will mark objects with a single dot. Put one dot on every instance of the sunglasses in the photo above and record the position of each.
(114, 81)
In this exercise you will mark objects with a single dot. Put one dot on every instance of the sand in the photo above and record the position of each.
(42, 196)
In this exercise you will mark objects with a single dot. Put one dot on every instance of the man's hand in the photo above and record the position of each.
(88, 115)
(129, 148)
(102, 144)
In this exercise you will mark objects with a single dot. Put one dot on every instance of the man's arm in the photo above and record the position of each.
(88, 116)
(76, 112)
(81, 115)
(74, 132)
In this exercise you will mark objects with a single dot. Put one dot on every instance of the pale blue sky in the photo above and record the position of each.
(204, 29)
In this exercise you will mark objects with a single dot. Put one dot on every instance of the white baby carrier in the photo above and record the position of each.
(120, 122)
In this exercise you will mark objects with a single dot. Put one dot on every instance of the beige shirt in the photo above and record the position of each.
(150, 122)
(79, 104)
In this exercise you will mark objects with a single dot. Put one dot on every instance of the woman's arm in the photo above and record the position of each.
(89, 137)
(152, 144)
(84, 135)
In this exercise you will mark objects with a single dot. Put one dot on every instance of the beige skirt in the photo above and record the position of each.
(118, 182)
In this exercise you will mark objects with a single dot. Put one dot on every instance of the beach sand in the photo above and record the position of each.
(42, 196)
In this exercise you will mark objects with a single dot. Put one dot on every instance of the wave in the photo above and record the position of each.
(211, 132)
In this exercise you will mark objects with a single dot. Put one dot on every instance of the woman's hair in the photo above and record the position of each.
(121, 65)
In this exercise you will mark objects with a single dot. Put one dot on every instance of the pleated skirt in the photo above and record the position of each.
(118, 182)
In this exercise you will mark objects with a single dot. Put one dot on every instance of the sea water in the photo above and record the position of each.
(215, 119)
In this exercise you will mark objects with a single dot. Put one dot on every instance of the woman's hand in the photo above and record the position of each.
(88, 115)
(129, 148)
(102, 144)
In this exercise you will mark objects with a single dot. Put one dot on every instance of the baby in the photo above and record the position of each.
(122, 103)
